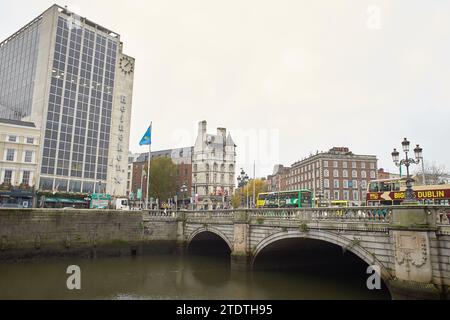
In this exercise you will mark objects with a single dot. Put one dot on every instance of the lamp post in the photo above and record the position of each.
(410, 197)
(184, 190)
(143, 176)
(242, 181)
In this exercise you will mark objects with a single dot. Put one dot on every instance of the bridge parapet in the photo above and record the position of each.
(380, 214)
(437, 215)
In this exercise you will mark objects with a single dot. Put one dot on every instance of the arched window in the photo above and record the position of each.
(335, 173)
(326, 173)
(215, 167)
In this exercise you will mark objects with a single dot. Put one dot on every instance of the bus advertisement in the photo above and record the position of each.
(392, 192)
(285, 199)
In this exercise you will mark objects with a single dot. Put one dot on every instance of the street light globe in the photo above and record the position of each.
(405, 145)
(418, 152)
(395, 156)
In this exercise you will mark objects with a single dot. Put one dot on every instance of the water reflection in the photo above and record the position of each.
(175, 277)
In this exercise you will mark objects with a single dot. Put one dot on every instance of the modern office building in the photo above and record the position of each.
(70, 77)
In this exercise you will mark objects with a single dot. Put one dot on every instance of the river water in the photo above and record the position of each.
(169, 276)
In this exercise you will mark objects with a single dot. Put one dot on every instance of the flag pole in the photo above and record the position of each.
(148, 166)
(254, 188)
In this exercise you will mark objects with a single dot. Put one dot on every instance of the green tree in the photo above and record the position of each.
(240, 195)
(163, 179)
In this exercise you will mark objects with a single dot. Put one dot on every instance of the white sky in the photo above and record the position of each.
(285, 77)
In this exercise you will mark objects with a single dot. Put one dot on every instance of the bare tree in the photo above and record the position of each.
(434, 174)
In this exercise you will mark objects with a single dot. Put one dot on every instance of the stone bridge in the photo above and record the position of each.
(410, 244)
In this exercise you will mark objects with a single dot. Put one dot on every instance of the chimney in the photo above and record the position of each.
(222, 132)
(202, 127)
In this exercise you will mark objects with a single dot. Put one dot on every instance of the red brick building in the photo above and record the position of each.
(183, 160)
(338, 174)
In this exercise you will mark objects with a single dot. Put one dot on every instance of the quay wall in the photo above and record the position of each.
(40, 233)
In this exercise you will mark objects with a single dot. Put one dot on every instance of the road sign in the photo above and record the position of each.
(139, 194)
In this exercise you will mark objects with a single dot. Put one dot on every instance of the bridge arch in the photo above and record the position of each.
(326, 236)
(213, 230)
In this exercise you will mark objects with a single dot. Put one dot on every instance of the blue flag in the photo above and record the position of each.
(147, 138)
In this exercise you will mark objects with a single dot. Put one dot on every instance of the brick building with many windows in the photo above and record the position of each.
(338, 174)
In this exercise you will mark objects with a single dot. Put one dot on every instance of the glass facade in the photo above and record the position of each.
(78, 122)
(18, 58)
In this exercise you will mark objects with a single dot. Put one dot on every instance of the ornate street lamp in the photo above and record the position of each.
(242, 181)
(410, 197)
(184, 190)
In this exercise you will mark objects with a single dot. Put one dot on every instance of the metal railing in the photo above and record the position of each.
(373, 214)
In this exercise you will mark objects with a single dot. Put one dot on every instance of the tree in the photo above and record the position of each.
(163, 179)
(434, 174)
(240, 195)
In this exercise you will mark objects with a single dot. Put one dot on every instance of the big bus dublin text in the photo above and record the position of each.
(392, 192)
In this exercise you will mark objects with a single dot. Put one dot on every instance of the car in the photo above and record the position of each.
(12, 205)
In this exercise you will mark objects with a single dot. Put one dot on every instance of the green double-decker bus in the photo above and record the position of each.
(286, 199)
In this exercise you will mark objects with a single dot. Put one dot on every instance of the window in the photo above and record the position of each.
(8, 177)
(335, 173)
(363, 174)
(325, 164)
(335, 164)
(46, 184)
(355, 196)
(363, 165)
(326, 173)
(336, 195)
(30, 140)
(345, 182)
(354, 174)
(346, 195)
(344, 164)
(10, 153)
(345, 174)
(372, 166)
(372, 175)
(363, 184)
(353, 164)
(12, 138)
(336, 184)
(28, 156)
(355, 184)
(26, 178)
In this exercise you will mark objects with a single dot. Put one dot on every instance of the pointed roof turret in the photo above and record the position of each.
(230, 141)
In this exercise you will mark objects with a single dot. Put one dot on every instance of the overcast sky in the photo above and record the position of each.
(287, 78)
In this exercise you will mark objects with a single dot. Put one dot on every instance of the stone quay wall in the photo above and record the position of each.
(40, 233)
